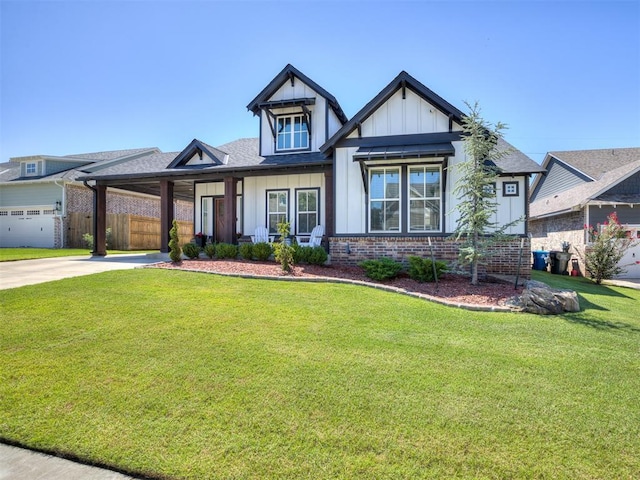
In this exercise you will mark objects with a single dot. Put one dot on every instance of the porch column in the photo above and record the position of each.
(328, 201)
(100, 222)
(166, 213)
(230, 213)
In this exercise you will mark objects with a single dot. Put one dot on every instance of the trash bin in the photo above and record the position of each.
(540, 259)
(559, 262)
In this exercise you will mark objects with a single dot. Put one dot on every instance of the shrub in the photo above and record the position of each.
(87, 238)
(210, 250)
(226, 250)
(421, 269)
(382, 269)
(262, 251)
(175, 252)
(284, 251)
(316, 255)
(246, 251)
(191, 250)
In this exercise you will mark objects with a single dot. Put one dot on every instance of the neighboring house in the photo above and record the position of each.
(583, 188)
(42, 203)
(381, 183)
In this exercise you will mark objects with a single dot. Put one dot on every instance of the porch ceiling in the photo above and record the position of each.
(182, 189)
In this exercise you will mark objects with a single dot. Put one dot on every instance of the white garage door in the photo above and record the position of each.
(27, 227)
(631, 261)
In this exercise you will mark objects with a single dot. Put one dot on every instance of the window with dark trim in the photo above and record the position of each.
(277, 208)
(292, 133)
(510, 189)
(307, 210)
(384, 199)
(425, 199)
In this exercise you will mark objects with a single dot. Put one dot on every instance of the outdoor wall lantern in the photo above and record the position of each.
(58, 206)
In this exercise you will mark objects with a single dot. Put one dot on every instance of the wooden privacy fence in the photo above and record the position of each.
(128, 232)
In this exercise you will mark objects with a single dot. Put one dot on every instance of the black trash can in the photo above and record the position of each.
(559, 262)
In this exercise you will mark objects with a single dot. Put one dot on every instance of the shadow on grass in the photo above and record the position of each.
(584, 318)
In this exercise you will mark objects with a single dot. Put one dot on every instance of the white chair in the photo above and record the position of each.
(313, 240)
(261, 235)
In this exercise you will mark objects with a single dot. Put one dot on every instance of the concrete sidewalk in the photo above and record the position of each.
(30, 272)
(22, 464)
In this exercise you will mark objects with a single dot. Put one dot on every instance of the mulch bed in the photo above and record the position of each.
(451, 288)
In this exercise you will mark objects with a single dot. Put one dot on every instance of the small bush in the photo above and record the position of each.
(316, 255)
(421, 269)
(262, 251)
(87, 238)
(246, 251)
(283, 251)
(210, 250)
(175, 252)
(191, 250)
(382, 269)
(226, 250)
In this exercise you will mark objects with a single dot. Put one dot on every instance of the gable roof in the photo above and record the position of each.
(403, 80)
(197, 147)
(285, 75)
(577, 197)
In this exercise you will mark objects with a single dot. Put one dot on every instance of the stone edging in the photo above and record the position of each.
(388, 288)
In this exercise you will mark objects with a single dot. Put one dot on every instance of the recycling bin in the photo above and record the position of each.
(540, 258)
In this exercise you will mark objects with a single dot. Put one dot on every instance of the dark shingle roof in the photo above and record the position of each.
(595, 163)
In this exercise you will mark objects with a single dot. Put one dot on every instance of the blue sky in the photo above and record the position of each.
(89, 76)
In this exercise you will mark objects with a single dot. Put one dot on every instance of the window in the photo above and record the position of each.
(424, 199)
(510, 189)
(384, 200)
(277, 208)
(307, 208)
(30, 169)
(293, 133)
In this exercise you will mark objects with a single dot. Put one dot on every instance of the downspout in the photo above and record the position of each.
(63, 211)
(95, 215)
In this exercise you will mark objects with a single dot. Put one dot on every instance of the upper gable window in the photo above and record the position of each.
(30, 168)
(293, 133)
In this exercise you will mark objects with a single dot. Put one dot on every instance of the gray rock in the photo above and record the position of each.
(541, 299)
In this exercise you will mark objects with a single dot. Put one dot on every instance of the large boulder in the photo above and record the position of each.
(541, 299)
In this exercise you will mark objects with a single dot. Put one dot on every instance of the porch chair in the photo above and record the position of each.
(313, 240)
(261, 235)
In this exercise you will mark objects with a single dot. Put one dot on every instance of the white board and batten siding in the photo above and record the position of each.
(318, 111)
(252, 205)
(412, 115)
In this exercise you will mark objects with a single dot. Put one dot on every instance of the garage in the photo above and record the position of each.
(631, 260)
(27, 227)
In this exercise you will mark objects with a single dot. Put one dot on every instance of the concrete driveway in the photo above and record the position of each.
(30, 272)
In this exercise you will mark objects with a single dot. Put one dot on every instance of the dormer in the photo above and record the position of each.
(296, 114)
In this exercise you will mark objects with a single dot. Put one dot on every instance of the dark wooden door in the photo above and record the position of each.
(219, 209)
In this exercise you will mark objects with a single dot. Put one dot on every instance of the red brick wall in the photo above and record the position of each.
(503, 260)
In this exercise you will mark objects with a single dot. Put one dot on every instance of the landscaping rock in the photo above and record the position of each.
(541, 299)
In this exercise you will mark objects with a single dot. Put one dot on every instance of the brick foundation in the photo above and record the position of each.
(502, 261)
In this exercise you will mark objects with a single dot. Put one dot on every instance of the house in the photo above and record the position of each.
(583, 188)
(43, 204)
(381, 183)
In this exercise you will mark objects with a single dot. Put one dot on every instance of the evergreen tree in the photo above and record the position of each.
(175, 252)
(475, 190)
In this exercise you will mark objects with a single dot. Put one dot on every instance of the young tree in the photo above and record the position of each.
(475, 190)
(608, 245)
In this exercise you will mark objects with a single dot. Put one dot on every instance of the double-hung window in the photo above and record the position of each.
(307, 210)
(30, 168)
(277, 208)
(384, 199)
(292, 133)
(425, 198)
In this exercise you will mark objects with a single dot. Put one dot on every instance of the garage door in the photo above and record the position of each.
(631, 261)
(22, 227)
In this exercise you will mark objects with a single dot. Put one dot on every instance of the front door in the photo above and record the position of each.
(219, 209)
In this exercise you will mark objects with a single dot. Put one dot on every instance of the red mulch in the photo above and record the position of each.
(451, 288)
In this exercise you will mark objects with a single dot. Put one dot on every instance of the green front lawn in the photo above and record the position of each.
(186, 375)
(13, 254)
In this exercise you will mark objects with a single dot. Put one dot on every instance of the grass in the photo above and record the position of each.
(14, 254)
(184, 375)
